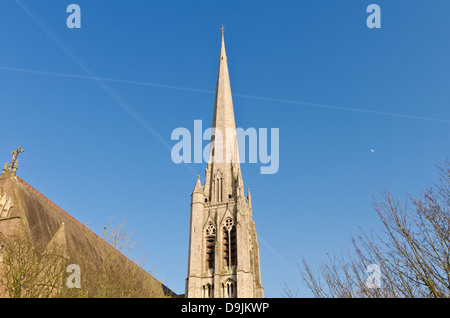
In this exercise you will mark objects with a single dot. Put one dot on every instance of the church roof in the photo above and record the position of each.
(48, 224)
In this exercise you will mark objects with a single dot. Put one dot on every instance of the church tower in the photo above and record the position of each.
(223, 247)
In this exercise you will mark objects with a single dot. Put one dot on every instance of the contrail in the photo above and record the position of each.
(342, 108)
(267, 99)
(271, 249)
(104, 79)
(120, 101)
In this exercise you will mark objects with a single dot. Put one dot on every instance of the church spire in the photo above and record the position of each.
(223, 249)
(224, 157)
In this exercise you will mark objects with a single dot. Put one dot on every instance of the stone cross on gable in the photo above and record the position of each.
(15, 154)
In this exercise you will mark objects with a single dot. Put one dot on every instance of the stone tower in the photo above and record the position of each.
(223, 248)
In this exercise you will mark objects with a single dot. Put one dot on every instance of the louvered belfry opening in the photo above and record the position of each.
(229, 244)
(233, 246)
(210, 246)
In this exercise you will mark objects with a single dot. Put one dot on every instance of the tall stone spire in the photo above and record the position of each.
(223, 164)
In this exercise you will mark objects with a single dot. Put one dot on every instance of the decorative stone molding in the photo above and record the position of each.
(5, 203)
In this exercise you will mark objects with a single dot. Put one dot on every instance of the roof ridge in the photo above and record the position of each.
(59, 208)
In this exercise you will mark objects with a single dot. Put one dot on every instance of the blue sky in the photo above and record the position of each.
(100, 147)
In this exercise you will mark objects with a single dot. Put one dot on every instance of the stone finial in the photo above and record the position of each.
(5, 168)
(198, 186)
(14, 169)
(14, 159)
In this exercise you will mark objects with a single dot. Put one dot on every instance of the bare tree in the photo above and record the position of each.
(112, 274)
(412, 251)
(28, 269)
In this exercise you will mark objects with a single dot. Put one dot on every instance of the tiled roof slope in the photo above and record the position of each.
(43, 218)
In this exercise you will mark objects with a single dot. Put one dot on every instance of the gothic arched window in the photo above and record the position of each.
(218, 187)
(208, 291)
(229, 289)
(210, 234)
(229, 243)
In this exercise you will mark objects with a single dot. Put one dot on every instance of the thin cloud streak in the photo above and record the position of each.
(267, 99)
(104, 79)
(120, 101)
